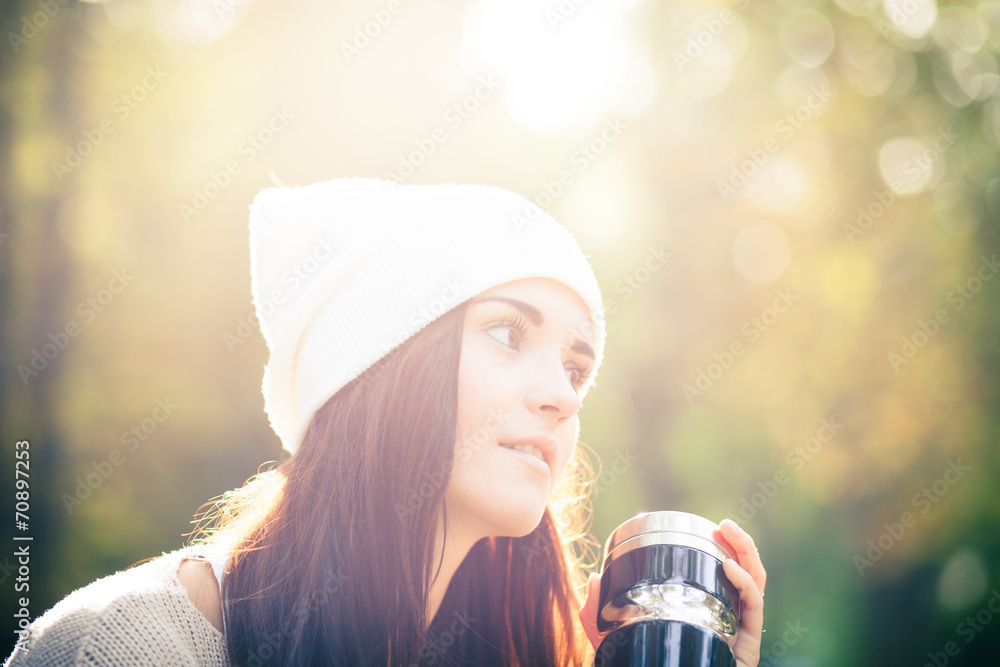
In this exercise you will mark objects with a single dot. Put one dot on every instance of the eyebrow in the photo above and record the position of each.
(538, 319)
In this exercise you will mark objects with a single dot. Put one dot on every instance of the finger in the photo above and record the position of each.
(588, 613)
(746, 551)
(747, 647)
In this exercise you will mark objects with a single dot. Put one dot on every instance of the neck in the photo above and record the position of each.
(454, 550)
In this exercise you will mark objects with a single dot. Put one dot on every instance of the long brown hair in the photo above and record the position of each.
(333, 549)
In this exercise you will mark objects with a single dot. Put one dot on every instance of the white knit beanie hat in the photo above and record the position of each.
(344, 271)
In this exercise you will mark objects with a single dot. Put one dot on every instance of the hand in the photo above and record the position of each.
(588, 612)
(747, 575)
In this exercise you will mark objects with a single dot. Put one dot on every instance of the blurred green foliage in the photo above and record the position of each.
(817, 351)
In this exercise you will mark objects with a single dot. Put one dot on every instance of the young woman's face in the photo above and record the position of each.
(526, 352)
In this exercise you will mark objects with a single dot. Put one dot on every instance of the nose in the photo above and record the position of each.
(550, 392)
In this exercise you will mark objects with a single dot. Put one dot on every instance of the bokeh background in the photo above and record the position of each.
(791, 207)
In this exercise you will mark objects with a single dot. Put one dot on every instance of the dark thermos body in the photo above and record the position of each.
(665, 600)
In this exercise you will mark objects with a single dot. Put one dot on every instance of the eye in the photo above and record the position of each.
(577, 375)
(511, 332)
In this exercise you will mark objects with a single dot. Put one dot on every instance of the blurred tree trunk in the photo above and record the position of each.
(35, 272)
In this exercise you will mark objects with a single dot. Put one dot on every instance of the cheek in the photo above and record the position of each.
(473, 406)
(469, 397)
(568, 435)
(483, 388)
(477, 424)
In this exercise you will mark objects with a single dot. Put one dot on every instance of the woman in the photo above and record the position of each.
(430, 347)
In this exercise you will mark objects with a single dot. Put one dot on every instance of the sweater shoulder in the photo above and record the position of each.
(137, 616)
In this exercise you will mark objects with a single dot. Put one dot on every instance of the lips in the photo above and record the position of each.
(529, 449)
(542, 447)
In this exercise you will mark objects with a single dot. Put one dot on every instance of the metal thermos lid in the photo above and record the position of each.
(677, 528)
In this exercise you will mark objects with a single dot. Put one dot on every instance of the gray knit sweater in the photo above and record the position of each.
(139, 617)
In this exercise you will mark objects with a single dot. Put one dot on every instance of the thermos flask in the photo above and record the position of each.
(665, 600)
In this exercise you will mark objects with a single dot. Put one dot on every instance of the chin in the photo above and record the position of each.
(519, 522)
(502, 519)
(477, 510)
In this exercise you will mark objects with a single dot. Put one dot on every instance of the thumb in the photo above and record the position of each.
(588, 613)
